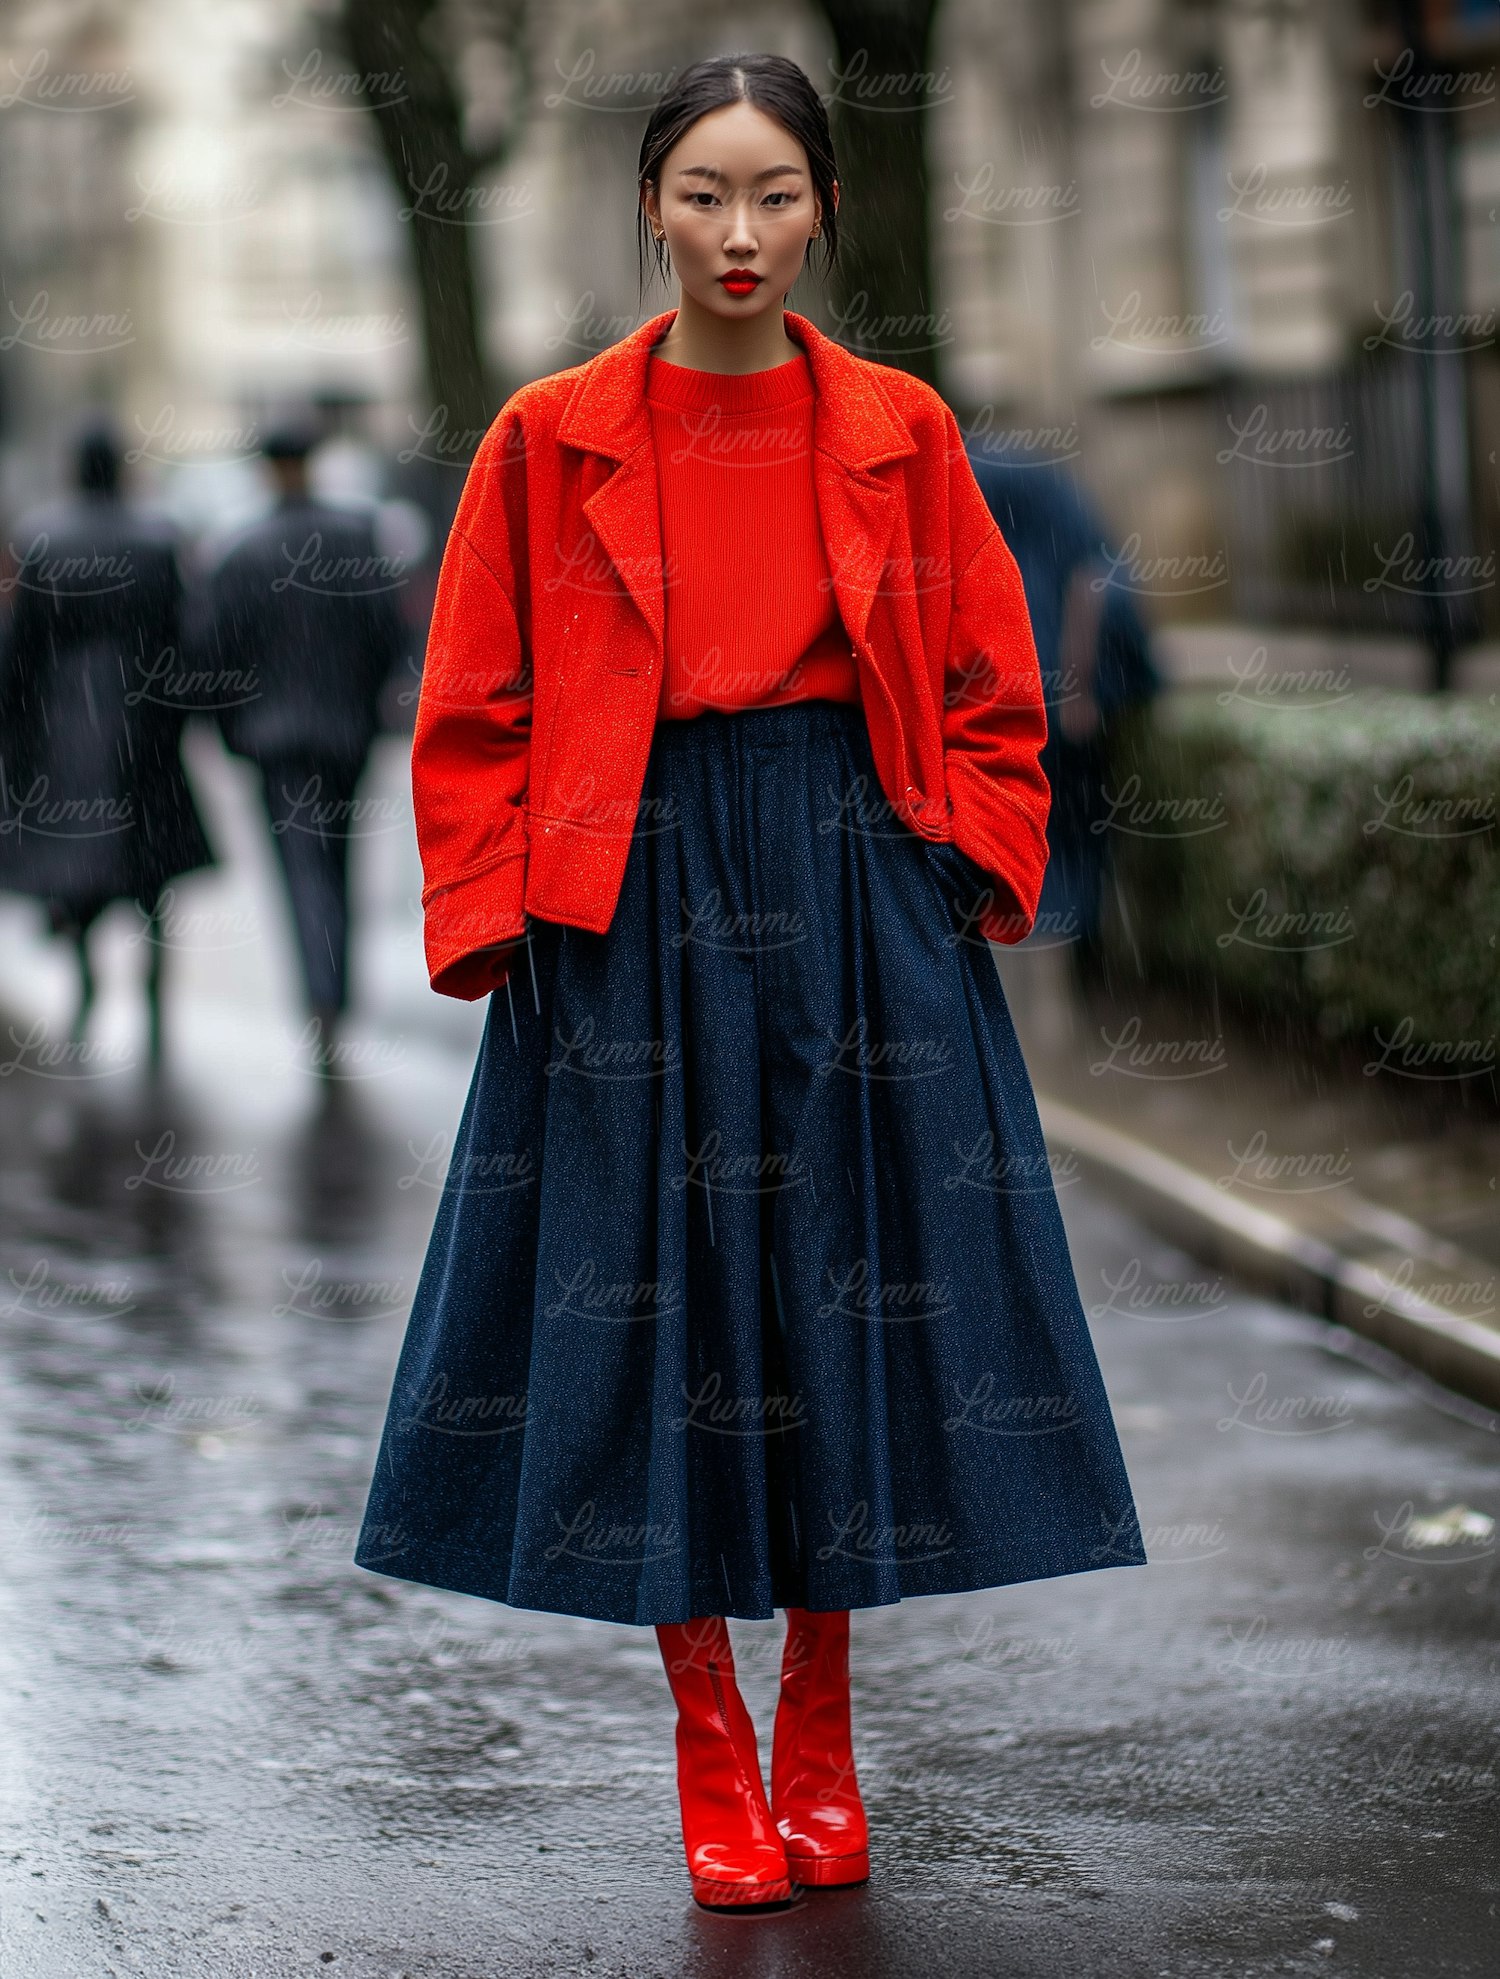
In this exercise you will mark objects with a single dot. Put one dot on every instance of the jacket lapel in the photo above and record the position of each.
(855, 431)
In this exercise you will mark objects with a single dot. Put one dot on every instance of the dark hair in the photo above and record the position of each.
(290, 437)
(771, 83)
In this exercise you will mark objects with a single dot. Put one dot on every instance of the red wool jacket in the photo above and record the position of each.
(544, 661)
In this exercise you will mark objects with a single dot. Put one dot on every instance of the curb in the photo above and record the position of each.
(1338, 1284)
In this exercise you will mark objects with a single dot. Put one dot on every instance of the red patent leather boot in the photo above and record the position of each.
(814, 1792)
(734, 1854)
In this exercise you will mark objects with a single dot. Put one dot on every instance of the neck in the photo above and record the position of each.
(734, 347)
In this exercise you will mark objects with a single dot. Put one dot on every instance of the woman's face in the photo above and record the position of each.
(736, 198)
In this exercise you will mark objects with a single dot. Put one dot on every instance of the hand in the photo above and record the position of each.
(1079, 719)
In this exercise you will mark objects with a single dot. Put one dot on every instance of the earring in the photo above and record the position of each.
(816, 232)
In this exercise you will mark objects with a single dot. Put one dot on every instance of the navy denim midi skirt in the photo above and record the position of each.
(747, 1287)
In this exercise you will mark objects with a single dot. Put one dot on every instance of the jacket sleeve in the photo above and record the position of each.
(471, 739)
(994, 717)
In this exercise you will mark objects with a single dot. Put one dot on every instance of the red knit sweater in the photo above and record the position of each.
(751, 616)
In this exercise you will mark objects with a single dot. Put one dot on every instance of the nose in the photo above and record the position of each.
(741, 236)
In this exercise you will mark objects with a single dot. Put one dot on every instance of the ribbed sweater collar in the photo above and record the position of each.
(689, 390)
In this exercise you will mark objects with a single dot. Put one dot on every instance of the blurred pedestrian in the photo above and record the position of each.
(94, 804)
(302, 601)
(1095, 658)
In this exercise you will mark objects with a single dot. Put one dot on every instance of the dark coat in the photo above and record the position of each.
(1053, 530)
(94, 804)
(300, 614)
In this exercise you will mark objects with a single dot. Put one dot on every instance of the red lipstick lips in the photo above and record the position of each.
(740, 281)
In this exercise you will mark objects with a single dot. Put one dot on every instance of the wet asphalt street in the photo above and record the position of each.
(226, 1750)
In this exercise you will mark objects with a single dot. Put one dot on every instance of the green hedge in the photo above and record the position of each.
(1343, 858)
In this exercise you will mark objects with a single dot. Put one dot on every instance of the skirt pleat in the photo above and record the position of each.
(747, 1287)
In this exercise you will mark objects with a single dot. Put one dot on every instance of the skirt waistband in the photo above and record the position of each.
(783, 722)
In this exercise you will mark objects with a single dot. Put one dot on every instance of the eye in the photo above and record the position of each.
(694, 197)
(787, 196)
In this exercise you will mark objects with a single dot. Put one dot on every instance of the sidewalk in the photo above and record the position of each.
(1252, 659)
(1368, 1198)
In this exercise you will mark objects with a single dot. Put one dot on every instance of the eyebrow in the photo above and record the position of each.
(713, 172)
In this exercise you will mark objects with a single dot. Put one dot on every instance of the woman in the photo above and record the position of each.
(747, 1288)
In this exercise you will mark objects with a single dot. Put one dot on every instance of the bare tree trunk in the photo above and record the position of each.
(416, 110)
(883, 286)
